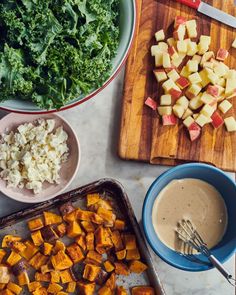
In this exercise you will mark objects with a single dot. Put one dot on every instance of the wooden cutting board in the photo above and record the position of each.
(142, 136)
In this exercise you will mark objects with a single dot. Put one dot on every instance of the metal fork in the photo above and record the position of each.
(191, 238)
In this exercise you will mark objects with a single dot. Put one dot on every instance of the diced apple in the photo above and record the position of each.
(230, 124)
(232, 96)
(193, 90)
(231, 74)
(178, 110)
(195, 103)
(195, 78)
(155, 50)
(197, 58)
(202, 120)
(234, 43)
(219, 99)
(177, 62)
(160, 35)
(183, 101)
(194, 131)
(220, 69)
(213, 90)
(214, 103)
(165, 100)
(169, 120)
(160, 75)
(179, 33)
(172, 52)
(195, 116)
(204, 76)
(188, 121)
(205, 40)
(171, 42)
(221, 82)
(185, 72)
(212, 76)
(206, 57)
(217, 120)
(158, 59)
(166, 60)
(222, 54)
(163, 46)
(192, 48)
(187, 113)
(151, 103)
(182, 82)
(230, 86)
(225, 106)
(175, 93)
(173, 75)
(182, 46)
(167, 110)
(202, 48)
(192, 66)
(191, 26)
(179, 20)
(208, 65)
(168, 85)
(207, 110)
(207, 98)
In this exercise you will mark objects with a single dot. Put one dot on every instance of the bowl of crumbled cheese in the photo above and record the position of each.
(39, 156)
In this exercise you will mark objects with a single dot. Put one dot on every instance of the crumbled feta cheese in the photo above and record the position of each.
(33, 155)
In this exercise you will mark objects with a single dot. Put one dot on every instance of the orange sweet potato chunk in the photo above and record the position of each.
(133, 254)
(30, 250)
(119, 224)
(61, 261)
(14, 288)
(109, 267)
(130, 241)
(103, 238)
(38, 260)
(137, 266)
(91, 272)
(89, 241)
(86, 288)
(121, 254)
(8, 239)
(121, 291)
(66, 276)
(111, 282)
(80, 240)
(88, 226)
(73, 229)
(61, 230)
(75, 253)
(35, 224)
(41, 291)
(142, 290)
(92, 199)
(51, 218)
(117, 241)
(121, 269)
(2, 254)
(71, 287)
(37, 238)
(47, 249)
(40, 277)
(105, 291)
(93, 258)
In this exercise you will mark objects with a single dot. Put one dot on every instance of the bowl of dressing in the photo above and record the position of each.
(201, 193)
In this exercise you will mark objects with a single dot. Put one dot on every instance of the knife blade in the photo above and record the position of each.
(211, 11)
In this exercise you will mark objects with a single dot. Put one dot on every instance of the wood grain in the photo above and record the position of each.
(142, 136)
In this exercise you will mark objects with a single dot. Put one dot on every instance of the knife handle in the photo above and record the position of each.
(191, 3)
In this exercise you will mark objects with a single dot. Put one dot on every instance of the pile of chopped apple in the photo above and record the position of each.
(198, 86)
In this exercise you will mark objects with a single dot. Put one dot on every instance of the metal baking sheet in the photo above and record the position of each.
(16, 224)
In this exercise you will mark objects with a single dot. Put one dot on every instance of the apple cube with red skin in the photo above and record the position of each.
(194, 131)
(151, 103)
(169, 120)
(182, 82)
(179, 20)
(172, 52)
(217, 120)
(179, 33)
(175, 94)
(222, 54)
(213, 90)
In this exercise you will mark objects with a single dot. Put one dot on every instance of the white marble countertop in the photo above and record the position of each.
(97, 125)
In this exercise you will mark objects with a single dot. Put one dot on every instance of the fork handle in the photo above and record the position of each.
(221, 269)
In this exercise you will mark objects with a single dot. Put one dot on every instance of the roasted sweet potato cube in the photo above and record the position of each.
(73, 229)
(71, 287)
(117, 240)
(133, 254)
(40, 277)
(121, 254)
(95, 218)
(7, 292)
(106, 215)
(93, 258)
(120, 290)
(80, 240)
(62, 293)
(59, 245)
(137, 266)
(2, 254)
(2, 286)
(105, 291)
(66, 208)
(33, 286)
(38, 260)
(75, 253)
(103, 238)
(102, 277)
(23, 279)
(88, 226)
(46, 268)
(37, 238)
(13, 258)
(111, 282)
(47, 249)
(19, 247)
(19, 267)
(101, 250)
(54, 288)
(61, 230)
(9, 239)
(30, 250)
(142, 290)
(70, 217)
(14, 288)
(109, 267)
(61, 261)
(35, 224)
(130, 241)
(49, 234)
(104, 204)
(51, 218)
(119, 224)
(66, 276)
(92, 199)
(121, 269)
(86, 288)
(55, 276)
(91, 272)
(84, 215)
(89, 239)
(41, 291)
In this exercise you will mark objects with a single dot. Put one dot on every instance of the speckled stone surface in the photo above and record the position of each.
(97, 123)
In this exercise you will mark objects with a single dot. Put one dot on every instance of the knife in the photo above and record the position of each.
(211, 11)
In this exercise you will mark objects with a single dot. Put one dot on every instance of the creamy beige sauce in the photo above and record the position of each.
(191, 199)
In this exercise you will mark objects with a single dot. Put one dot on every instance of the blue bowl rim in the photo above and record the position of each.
(155, 182)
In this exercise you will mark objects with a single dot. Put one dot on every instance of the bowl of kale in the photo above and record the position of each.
(55, 54)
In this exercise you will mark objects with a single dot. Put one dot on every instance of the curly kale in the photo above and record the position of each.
(52, 51)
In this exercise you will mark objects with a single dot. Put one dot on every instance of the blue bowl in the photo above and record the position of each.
(224, 184)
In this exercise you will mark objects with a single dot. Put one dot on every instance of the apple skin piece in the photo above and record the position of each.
(194, 131)
(175, 94)
(151, 103)
(169, 120)
(217, 120)
(222, 54)
(182, 82)
(172, 52)
(179, 20)
(213, 90)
